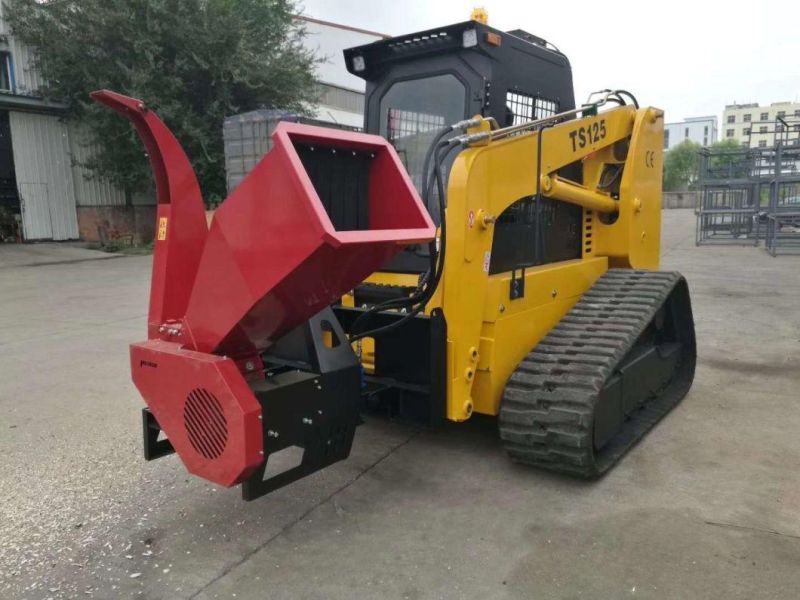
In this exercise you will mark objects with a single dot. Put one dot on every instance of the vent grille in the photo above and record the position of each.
(522, 108)
(205, 423)
(587, 232)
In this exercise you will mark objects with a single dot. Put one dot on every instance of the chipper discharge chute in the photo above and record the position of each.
(244, 357)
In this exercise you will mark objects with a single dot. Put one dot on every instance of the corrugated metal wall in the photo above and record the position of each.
(44, 176)
(90, 192)
(46, 151)
(27, 78)
(348, 100)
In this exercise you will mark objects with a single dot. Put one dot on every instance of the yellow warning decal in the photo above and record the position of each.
(162, 229)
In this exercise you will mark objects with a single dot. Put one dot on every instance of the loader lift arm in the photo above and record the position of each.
(486, 180)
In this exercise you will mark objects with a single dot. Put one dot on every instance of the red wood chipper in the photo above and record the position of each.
(256, 287)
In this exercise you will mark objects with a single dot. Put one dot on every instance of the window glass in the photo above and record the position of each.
(5, 72)
(412, 112)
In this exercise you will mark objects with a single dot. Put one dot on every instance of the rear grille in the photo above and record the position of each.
(205, 423)
(587, 232)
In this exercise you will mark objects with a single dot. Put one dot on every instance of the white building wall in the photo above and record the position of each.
(700, 130)
(338, 86)
(26, 78)
(89, 191)
(327, 41)
(754, 125)
(44, 176)
(48, 182)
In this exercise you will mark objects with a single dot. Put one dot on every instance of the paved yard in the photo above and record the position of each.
(708, 506)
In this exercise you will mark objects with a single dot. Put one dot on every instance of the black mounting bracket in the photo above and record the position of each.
(153, 447)
(309, 399)
(517, 284)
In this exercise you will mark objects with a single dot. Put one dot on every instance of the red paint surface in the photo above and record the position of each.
(165, 374)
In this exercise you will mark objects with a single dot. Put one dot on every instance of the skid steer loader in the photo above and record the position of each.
(487, 247)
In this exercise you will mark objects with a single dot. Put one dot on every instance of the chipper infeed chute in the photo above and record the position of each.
(244, 357)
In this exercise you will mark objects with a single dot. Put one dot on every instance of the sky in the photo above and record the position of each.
(688, 58)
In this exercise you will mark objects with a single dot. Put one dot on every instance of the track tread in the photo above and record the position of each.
(546, 416)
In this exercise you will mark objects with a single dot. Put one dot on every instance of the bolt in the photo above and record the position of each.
(162, 329)
(272, 434)
(249, 365)
(319, 412)
(502, 308)
(554, 293)
(260, 417)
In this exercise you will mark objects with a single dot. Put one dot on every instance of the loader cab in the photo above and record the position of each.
(421, 82)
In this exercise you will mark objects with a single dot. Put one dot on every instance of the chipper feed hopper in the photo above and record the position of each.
(488, 247)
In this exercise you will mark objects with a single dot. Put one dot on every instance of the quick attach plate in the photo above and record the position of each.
(315, 412)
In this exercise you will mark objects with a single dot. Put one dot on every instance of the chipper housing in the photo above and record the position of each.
(243, 356)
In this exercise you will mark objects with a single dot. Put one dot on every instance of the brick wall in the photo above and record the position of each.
(117, 221)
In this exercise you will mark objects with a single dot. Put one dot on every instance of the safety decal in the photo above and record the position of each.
(162, 229)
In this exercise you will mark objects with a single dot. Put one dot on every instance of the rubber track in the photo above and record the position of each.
(546, 416)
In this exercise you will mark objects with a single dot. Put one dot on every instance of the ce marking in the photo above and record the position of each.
(650, 159)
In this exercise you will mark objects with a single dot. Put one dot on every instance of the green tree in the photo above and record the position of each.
(725, 152)
(681, 166)
(193, 61)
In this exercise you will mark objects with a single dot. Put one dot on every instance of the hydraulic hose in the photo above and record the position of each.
(417, 301)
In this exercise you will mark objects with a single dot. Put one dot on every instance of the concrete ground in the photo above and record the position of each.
(705, 507)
